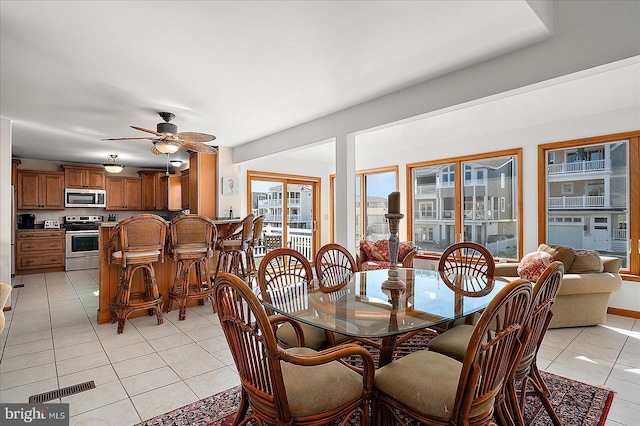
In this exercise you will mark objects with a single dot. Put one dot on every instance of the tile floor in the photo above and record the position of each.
(52, 340)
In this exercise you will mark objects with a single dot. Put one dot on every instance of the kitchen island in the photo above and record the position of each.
(165, 270)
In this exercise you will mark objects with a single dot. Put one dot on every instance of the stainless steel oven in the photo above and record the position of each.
(82, 242)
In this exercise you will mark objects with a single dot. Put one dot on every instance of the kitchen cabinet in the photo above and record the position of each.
(153, 188)
(40, 190)
(159, 191)
(124, 193)
(40, 251)
(84, 177)
(184, 189)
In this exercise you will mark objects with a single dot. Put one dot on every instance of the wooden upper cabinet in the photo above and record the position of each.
(160, 192)
(40, 190)
(184, 189)
(124, 193)
(84, 177)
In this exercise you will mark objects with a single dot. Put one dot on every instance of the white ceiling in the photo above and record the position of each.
(72, 73)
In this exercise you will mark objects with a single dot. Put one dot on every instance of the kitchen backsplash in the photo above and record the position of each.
(42, 215)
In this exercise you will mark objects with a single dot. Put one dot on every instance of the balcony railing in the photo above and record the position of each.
(620, 234)
(576, 202)
(278, 202)
(576, 167)
(278, 218)
(482, 214)
(299, 240)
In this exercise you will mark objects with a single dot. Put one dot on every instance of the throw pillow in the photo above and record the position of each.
(560, 253)
(403, 249)
(366, 247)
(380, 250)
(586, 262)
(533, 265)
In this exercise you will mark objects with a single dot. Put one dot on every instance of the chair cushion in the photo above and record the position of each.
(425, 381)
(452, 343)
(133, 254)
(318, 388)
(586, 262)
(532, 265)
(314, 337)
(560, 253)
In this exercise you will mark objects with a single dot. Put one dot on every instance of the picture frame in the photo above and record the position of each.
(229, 185)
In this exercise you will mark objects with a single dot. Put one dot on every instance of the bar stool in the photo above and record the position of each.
(250, 253)
(192, 243)
(141, 240)
(233, 248)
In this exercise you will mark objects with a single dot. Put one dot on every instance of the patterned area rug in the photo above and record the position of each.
(576, 403)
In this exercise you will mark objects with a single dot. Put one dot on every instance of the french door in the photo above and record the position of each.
(290, 206)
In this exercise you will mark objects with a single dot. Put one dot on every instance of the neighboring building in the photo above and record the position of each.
(588, 197)
(490, 210)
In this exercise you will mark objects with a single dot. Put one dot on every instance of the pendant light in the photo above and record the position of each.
(113, 165)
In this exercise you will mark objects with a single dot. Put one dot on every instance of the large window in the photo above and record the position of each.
(372, 188)
(472, 198)
(590, 196)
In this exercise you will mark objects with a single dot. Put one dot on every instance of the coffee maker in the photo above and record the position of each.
(26, 221)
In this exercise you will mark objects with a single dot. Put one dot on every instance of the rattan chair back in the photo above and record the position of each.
(140, 233)
(192, 232)
(472, 261)
(282, 271)
(334, 266)
(492, 352)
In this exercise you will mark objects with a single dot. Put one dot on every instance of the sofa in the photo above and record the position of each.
(584, 294)
(375, 255)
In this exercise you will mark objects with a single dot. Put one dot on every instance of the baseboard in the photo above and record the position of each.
(623, 312)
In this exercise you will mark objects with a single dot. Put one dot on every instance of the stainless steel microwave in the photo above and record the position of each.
(85, 197)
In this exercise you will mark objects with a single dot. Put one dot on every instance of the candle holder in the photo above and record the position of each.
(393, 282)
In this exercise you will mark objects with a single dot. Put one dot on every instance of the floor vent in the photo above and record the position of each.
(18, 285)
(59, 393)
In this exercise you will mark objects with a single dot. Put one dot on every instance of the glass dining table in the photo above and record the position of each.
(360, 306)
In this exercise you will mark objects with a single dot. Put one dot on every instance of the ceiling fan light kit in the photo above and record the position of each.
(176, 163)
(113, 165)
(167, 139)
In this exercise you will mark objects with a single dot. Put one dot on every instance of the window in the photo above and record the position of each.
(372, 188)
(604, 180)
(481, 207)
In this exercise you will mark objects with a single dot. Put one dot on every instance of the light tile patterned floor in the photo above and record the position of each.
(52, 340)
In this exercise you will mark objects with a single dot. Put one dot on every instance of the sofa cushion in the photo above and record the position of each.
(560, 253)
(586, 262)
(533, 265)
(403, 249)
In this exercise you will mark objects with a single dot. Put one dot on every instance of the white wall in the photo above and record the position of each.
(5, 196)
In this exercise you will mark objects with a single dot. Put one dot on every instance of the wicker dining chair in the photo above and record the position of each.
(435, 389)
(468, 268)
(453, 343)
(288, 386)
(281, 270)
(333, 265)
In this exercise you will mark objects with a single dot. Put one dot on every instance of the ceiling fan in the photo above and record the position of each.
(167, 140)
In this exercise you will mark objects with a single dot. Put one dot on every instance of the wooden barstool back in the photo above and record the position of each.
(192, 244)
(137, 243)
(233, 248)
(255, 242)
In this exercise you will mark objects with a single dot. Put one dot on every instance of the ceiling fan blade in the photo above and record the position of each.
(127, 139)
(199, 147)
(142, 129)
(195, 137)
